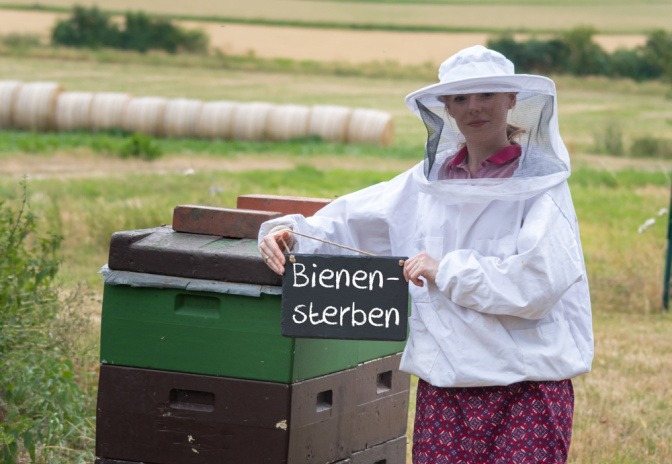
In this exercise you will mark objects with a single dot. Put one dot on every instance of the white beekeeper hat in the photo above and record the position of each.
(478, 69)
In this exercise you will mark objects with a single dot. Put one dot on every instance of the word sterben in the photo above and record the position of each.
(332, 315)
(328, 278)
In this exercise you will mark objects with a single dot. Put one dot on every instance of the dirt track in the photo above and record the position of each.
(87, 165)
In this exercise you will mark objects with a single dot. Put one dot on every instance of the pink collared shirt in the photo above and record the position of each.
(501, 164)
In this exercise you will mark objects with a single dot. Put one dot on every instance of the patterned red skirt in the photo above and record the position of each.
(527, 422)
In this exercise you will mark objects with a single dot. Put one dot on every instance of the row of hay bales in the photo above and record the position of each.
(46, 106)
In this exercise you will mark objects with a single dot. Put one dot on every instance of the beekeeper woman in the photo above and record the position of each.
(501, 318)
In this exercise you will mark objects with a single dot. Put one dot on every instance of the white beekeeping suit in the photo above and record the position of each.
(511, 300)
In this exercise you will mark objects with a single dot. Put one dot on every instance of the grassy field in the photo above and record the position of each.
(622, 407)
(356, 41)
(589, 108)
(619, 16)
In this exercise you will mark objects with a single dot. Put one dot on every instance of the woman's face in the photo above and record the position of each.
(482, 115)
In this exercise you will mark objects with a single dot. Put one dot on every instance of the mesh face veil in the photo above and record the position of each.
(476, 70)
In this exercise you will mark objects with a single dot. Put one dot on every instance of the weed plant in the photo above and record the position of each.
(20, 42)
(652, 147)
(45, 416)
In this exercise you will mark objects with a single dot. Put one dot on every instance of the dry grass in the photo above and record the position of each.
(622, 407)
(610, 17)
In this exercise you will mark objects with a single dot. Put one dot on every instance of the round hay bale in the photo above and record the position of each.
(73, 110)
(107, 110)
(35, 106)
(287, 122)
(216, 120)
(370, 127)
(8, 93)
(249, 121)
(329, 122)
(145, 115)
(181, 117)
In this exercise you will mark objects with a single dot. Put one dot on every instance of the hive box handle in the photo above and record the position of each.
(384, 382)
(200, 306)
(325, 400)
(192, 400)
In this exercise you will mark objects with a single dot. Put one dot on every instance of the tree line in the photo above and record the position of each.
(575, 52)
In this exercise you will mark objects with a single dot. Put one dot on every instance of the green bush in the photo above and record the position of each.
(632, 64)
(143, 33)
(574, 52)
(585, 56)
(610, 140)
(44, 414)
(651, 147)
(89, 28)
(140, 146)
(543, 56)
(92, 28)
(658, 53)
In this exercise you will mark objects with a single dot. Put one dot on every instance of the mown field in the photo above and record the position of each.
(622, 407)
(615, 17)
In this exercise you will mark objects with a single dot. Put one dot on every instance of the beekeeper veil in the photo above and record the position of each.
(544, 160)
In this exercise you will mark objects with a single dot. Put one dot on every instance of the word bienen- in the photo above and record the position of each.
(339, 314)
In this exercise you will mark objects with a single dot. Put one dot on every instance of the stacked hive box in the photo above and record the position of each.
(194, 368)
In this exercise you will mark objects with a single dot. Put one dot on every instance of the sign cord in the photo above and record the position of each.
(328, 242)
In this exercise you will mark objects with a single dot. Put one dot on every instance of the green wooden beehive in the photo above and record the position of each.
(218, 334)
(163, 326)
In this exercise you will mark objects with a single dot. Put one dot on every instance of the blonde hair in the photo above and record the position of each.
(512, 132)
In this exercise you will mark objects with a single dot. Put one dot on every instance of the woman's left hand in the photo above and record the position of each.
(421, 265)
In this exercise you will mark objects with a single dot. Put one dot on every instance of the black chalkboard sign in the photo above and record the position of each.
(344, 297)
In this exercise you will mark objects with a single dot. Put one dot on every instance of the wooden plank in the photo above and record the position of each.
(282, 203)
(390, 452)
(382, 402)
(224, 222)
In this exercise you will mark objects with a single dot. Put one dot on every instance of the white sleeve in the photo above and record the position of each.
(527, 284)
(359, 220)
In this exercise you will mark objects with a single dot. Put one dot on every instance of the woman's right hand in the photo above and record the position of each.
(421, 265)
(273, 248)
